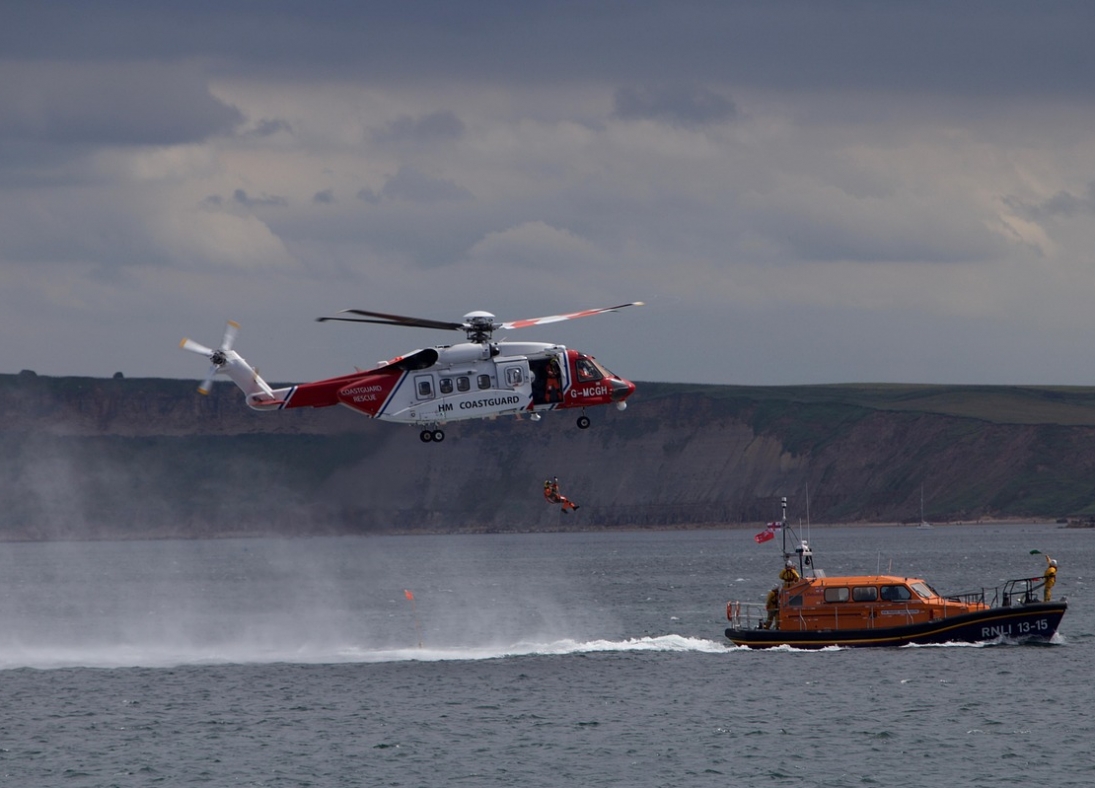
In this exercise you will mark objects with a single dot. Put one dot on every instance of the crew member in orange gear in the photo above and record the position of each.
(552, 495)
(553, 389)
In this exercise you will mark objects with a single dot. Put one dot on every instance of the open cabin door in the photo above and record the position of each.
(549, 377)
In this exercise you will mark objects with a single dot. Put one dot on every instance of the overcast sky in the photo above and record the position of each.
(802, 192)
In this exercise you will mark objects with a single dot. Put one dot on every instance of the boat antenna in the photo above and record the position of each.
(807, 510)
(783, 526)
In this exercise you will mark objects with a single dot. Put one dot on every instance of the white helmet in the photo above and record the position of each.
(1053, 562)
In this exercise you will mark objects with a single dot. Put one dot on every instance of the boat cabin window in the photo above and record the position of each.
(795, 601)
(483, 381)
(922, 590)
(445, 386)
(896, 593)
(836, 594)
(864, 594)
(463, 383)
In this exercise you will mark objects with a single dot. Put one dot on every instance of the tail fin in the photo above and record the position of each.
(226, 361)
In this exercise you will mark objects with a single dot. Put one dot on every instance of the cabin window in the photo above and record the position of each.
(445, 386)
(836, 594)
(922, 590)
(795, 601)
(896, 593)
(463, 383)
(483, 381)
(864, 594)
(424, 385)
(514, 378)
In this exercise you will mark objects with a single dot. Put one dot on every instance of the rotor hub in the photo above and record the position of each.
(479, 326)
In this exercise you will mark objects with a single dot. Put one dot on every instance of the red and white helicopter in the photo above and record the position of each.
(475, 379)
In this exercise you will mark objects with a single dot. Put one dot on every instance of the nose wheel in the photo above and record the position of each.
(583, 422)
(431, 436)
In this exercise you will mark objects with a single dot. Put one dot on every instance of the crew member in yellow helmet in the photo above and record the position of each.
(789, 575)
(1049, 578)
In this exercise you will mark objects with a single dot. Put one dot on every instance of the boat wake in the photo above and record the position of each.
(165, 656)
(227, 654)
(665, 643)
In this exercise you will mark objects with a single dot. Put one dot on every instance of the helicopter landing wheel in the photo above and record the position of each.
(438, 436)
(583, 422)
(425, 436)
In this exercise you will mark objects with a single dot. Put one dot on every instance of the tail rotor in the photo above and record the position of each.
(218, 358)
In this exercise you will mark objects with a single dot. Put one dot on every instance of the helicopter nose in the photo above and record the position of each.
(621, 389)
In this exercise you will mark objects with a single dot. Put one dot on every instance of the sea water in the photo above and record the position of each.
(588, 659)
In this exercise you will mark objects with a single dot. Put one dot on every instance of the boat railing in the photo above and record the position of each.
(746, 615)
(1020, 592)
(968, 598)
(1012, 593)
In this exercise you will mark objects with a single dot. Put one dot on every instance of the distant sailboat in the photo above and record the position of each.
(923, 523)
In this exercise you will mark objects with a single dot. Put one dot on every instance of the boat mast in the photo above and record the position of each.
(803, 551)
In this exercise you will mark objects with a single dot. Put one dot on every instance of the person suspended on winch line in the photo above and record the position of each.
(552, 495)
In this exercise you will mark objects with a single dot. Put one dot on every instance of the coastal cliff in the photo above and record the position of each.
(86, 458)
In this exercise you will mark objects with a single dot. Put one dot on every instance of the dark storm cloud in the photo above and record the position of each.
(240, 197)
(109, 104)
(268, 127)
(1000, 46)
(434, 127)
(1063, 204)
(689, 107)
(368, 196)
(413, 186)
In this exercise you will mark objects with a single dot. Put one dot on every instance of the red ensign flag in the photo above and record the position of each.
(408, 594)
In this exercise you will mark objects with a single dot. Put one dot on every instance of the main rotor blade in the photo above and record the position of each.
(540, 321)
(393, 320)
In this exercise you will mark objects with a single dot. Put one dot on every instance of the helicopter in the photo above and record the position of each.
(475, 379)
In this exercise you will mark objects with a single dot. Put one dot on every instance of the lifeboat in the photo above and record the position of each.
(811, 610)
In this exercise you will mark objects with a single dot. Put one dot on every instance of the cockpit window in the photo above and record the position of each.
(587, 370)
